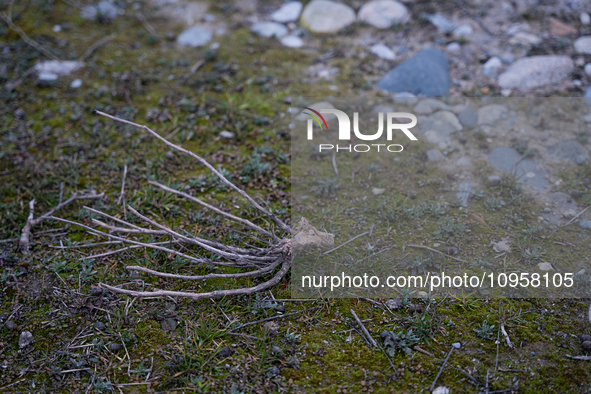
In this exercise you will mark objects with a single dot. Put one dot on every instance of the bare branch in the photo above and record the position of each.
(25, 239)
(200, 296)
(96, 46)
(217, 210)
(284, 226)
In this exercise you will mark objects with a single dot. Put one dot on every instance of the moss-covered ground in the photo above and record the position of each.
(88, 340)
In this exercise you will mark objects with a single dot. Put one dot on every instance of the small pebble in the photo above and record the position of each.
(228, 135)
(274, 371)
(280, 309)
(586, 346)
(10, 325)
(394, 303)
(412, 194)
(115, 347)
(25, 339)
(584, 337)
(415, 308)
(225, 352)
(450, 250)
(20, 113)
(457, 345)
(453, 47)
(76, 83)
(99, 326)
(494, 180)
(276, 350)
(585, 18)
(169, 155)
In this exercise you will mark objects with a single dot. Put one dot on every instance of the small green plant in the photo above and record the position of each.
(495, 203)
(476, 194)
(292, 336)
(401, 341)
(532, 254)
(326, 187)
(485, 331)
(450, 230)
(87, 269)
(102, 385)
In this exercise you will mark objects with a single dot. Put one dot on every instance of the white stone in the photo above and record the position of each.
(292, 41)
(104, 9)
(376, 191)
(383, 52)
(269, 29)
(583, 44)
(326, 16)
(453, 47)
(534, 71)
(492, 66)
(288, 12)
(50, 70)
(227, 135)
(463, 31)
(195, 36)
(383, 14)
(585, 18)
(463, 162)
(545, 266)
(56, 28)
(76, 83)
(522, 37)
(441, 390)
(588, 68)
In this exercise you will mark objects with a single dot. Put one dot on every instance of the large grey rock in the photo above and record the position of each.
(583, 44)
(563, 201)
(535, 71)
(195, 36)
(468, 117)
(438, 127)
(383, 14)
(288, 12)
(269, 29)
(567, 150)
(104, 11)
(326, 16)
(425, 74)
(491, 113)
(526, 171)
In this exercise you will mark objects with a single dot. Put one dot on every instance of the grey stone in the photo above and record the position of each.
(525, 38)
(274, 371)
(463, 162)
(587, 68)
(580, 159)
(429, 105)
(457, 345)
(435, 155)
(276, 350)
(588, 96)
(526, 171)
(586, 224)
(491, 113)
(468, 116)
(104, 11)
(494, 180)
(563, 201)
(326, 16)
(463, 31)
(394, 303)
(10, 325)
(463, 193)
(292, 41)
(99, 326)
(76, 83)
(425, 74)
(453, 47)
(376, 191)
(438, 127)
(383, 52)
(492, 66)
(269, 29)
(25, 339)
(551, 218)
(228, 135)
(115, 347)
(195, 36)
(535, 71)
(567, 150)
(288, 12)
(545, 266)
(441, 23)
(583, 44)
(383, 14)
(585, 18)
(19, 113)
(225, 352)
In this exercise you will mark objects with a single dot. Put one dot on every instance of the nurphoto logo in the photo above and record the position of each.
(392, 123)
